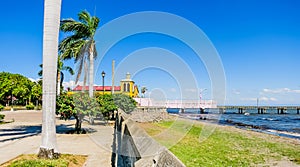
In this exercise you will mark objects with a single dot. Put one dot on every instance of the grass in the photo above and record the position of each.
(31, 160)
(227, 146)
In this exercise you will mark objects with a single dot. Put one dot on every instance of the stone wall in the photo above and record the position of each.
(149, 114)
(134, 147)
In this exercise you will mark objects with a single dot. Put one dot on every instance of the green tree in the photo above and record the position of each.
(15, 86)
(80, 45)
(107, 105)
(78, 106)
(124, 102)
(36, 92)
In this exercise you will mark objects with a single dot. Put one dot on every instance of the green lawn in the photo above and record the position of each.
(227, 146)
(31, 160)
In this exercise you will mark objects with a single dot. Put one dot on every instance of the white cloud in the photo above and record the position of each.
(266, 99)
(34, 80)
(71, 84)
(191, 90)
(173, 90)
(236, 92)
(281, 90)
(273, 99)
(248, 99)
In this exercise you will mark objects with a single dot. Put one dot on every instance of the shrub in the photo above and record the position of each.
(1, 117)
(124, 102)
(1, 107)
(30, 107)
(39, 107)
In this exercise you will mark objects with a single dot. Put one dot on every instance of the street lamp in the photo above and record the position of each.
(12, 100)
(103, 75)
(201, 95)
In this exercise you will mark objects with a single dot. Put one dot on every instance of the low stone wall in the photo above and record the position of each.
(149, 114)
(134, 147)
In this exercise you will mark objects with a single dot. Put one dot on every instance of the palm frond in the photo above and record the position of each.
(40, 73)
(95, 22)
(84, 16)
(73, 26)
(68, 69)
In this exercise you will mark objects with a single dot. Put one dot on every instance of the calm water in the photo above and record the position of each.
(269, 123)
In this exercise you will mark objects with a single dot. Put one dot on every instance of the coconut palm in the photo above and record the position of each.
(60, 75)
(48, 148)
(80, 44)
(143, 90)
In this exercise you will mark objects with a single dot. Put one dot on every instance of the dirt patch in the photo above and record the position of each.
(278, 163)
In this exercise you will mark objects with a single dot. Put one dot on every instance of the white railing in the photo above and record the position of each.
(147, 102)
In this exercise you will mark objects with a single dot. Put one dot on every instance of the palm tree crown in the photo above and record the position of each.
(80, 45)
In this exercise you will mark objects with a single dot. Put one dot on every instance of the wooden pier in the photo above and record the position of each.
(260, 109)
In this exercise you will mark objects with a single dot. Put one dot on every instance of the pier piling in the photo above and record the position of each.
(298, 110)
(240, 110)
(280, 110)
(261, 110)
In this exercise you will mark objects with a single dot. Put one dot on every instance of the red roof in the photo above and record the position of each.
(97, 88)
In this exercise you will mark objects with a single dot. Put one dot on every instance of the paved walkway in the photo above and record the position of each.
(23, 136)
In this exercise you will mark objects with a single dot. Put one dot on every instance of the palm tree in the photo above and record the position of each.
(143, 90)
(81, 44)
(48, 148)
(60, 75)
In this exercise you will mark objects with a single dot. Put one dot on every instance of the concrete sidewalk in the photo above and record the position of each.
(23, 137)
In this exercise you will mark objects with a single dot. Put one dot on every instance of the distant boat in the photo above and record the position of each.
(247, 114)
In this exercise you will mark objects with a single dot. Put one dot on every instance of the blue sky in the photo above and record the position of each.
(258, 43)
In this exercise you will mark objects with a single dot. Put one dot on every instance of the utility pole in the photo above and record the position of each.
(113, 78)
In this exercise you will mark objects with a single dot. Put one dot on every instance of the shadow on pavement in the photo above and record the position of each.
(20, 132)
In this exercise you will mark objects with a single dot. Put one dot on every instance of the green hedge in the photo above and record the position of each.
(30, 107)
(1, 117)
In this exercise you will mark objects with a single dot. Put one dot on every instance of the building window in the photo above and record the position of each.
(128, 87)
(124, 87)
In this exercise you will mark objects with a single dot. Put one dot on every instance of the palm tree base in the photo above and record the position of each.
(46, 153)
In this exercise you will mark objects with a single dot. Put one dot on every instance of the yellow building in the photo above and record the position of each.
(127, 86)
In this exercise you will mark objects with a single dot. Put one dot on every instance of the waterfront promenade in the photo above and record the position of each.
(23, 136)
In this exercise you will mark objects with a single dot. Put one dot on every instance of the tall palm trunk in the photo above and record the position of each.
(91, 78)
(91, 70)
(48, 148)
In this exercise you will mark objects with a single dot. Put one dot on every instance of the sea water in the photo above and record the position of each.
(279, 124)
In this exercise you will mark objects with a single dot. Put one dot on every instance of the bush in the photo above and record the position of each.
(39, 107)
(1, 117)
(30, 107)
(1, 107)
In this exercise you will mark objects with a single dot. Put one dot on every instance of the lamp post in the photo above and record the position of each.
(201, 95)
(103, 75)
(12, 100)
